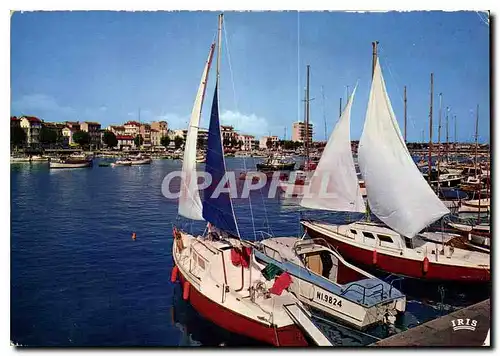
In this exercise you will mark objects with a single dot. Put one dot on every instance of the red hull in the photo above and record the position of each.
(406, 267)
(238, 324)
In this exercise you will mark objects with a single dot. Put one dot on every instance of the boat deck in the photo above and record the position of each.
(364, 292)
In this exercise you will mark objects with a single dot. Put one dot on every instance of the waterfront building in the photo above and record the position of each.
(74, 125)
(247, 142)
(32, 126)
(155, 138)
(125, 142)
(67, 134)
(15, 122)
(93, 129)
(57, 128)
(264, 139)
(299, 132)
(145, 132)
(228, 135)
(161, 126)
(132, 128)
(117, 130)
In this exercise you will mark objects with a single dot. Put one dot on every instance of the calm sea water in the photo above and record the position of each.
(78, 278)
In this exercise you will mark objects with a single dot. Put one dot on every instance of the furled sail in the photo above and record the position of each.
(189, 199)
(334, 185)
(397, 192)
(218, 207)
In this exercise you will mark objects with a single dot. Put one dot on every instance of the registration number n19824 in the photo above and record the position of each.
(327, 298)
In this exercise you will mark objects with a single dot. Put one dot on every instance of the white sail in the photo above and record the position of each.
(189, 199)
(334, 185)
(397, 192)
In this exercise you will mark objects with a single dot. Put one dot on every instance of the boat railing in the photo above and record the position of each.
(263, 234)
(365, 289)
(275, 253)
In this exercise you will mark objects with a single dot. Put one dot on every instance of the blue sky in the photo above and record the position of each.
(104, 66)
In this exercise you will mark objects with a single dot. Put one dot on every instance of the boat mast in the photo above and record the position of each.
(307, 117)
(475, 168)
(374, 61)
(447, 136)
(405, 113)
(475, 151)
(219, 40)
(439, 138)
(340, 108)
(430, 131)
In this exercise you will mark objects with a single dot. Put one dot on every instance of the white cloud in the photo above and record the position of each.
(43, 106)
(243, 123)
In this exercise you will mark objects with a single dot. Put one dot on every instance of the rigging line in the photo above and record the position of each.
(236, 107)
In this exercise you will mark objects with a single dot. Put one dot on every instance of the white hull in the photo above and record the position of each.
(69, 165)
(240, 292)
(141, 161)
(349, 308)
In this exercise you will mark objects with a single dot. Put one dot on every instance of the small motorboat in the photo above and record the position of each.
(19, 159)
(70, 163)
(322, 279)
(122, 162)
(140, 159)
(275, 164)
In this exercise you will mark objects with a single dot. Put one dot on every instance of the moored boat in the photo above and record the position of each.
(220, 275)
(70, 163)
(275, 164)
(323, 280)
(404, 202)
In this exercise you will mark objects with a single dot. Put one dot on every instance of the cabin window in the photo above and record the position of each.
(353, 232)
(368, 234)
(385, 238)
(408, 242)
(201, 262)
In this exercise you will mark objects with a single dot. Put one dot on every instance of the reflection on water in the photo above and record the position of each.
(78, 278)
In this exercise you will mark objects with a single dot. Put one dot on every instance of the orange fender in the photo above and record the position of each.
(425, 266)
(185, 290)
(173, 276)
(374, 257)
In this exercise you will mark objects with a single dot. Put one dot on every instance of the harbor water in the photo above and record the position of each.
(79, 279)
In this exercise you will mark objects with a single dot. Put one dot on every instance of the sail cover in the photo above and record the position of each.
(189, 199)
(218, 208)
(334, 185)
(397, 192)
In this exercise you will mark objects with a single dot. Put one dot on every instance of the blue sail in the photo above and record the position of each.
(217, 210)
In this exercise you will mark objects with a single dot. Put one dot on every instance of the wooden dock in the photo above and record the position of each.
(465, 327)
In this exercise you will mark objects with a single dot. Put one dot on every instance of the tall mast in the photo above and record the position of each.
(374, 61)
(405, 114)
(219, 41)
(430, 130)
(455, 134)
(307, 116)
(475, 152)
(447, 131)
(439, 137)
(340, 108)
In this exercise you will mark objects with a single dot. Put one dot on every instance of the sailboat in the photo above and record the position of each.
(298, 184)
(399, 196)
(219, 273)
(322, 278)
